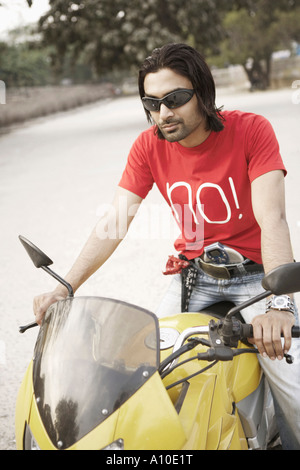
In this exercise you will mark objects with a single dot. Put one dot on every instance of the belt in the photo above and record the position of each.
(228, 271)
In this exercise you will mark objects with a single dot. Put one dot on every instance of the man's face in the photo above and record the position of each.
(184, 124)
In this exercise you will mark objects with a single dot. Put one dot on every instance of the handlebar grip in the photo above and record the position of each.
(296, 331)
(22, 329)
(247, 331)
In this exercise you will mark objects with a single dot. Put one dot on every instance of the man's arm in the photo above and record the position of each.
(268, 202)
(104, 239)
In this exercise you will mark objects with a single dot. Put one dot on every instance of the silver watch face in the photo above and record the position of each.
(281, 302)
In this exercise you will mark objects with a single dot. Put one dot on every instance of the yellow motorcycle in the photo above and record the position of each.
(107, 375)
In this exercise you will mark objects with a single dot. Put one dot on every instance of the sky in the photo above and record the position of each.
(17, 13)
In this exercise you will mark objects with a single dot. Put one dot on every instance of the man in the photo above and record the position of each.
(223, 177)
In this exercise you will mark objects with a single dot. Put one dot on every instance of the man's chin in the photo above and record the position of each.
(170, 137)
(173, 135)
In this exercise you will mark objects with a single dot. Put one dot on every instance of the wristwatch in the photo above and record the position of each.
(280, 302)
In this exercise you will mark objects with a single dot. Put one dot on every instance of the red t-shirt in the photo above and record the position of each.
(209, 186)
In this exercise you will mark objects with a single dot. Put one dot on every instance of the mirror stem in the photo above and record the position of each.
(233, 311)
(58, 278)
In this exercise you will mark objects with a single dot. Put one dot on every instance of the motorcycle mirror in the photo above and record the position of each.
(284, 279)
(38, 258)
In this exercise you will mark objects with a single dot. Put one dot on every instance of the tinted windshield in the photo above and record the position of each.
(91, 355)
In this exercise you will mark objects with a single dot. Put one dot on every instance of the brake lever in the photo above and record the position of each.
(242, 331)
(289, 359)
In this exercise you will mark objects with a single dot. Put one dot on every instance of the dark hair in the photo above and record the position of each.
(188, 62)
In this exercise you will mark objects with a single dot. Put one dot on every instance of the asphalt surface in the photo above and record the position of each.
(57, 174)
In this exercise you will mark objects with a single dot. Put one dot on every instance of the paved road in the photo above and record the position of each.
(55, 176)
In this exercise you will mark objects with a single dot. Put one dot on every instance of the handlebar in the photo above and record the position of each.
(221, 341)
(22, 329)
(247, 331)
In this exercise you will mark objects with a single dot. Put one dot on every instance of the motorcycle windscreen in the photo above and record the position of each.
(91, 355)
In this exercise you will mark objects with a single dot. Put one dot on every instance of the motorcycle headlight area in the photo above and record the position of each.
(31, 444)
(29, 440)
(115, 445)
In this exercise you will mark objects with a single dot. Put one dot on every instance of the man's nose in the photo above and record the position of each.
(165, 112)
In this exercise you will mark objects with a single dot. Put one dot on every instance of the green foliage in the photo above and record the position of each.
(255, 30)
(88, 39)
(119, 34)
(23, 65)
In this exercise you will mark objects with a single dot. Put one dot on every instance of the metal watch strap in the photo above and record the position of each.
(288, 308)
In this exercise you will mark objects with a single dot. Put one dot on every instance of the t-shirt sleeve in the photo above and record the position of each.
(263, 149)
(137, 176)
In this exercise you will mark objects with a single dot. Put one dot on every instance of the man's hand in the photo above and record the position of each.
(42, 302)
(267, 330)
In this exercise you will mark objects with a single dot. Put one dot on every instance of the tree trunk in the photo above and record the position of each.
(258, 72)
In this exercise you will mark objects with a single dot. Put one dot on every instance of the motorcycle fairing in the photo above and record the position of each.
(221, 388)
(23, 406)
(90, 357)
(205, 419)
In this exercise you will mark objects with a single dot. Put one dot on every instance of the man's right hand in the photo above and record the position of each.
(42, 302)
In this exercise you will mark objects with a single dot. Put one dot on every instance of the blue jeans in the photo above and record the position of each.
(283, 378)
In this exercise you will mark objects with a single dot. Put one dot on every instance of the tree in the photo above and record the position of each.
(120, 33)
(111, 35)
(24, 64)
(255, 30)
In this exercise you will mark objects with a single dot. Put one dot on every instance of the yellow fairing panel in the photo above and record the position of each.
(148, 420)
(23, 406)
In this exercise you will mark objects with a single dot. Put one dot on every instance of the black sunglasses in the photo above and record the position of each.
(172, 100)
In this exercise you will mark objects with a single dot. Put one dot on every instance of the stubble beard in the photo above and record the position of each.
(179, 133)
(181, 130)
